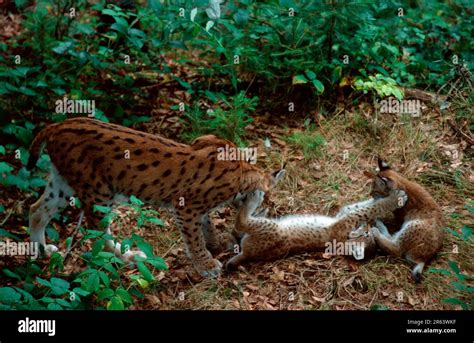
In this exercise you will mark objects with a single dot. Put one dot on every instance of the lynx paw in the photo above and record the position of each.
(213, 270)
(360, 231)
(402, 197)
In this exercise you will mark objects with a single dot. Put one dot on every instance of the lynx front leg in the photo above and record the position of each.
(354, 207)
(210, 234)
(190, 226)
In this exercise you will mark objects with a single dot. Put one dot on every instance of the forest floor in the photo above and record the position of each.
(319, 183)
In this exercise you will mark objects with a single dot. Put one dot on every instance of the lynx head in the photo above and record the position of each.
(385, 180)
(264, 183)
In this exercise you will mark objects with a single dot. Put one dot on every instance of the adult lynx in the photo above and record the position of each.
(103, 163)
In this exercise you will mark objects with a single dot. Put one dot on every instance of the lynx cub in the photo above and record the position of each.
(268, 239)
(420, 236)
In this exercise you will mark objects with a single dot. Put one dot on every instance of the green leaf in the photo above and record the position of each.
(105, 278)
(135, 201)
(59, 286)
(43, 282)
(158, 263)
(439, 271)
(241, 17)
(209, 25)
(120, 25)
(102, 209)
(62, 47)
(454, 267)
(459, 286)
(319, 86)
(8, 295)
(146, 273)
(2, 150)
(310, 74)
(193, 13)
(299, 79)
(93, 282)
(98, 246)
(145, 247)
(11, 274)
(124, 295)
(54, 307)
(5, 167)
(466, 232)
(455, 301)
(5, 233)
(155, 220)
(379, 307)
(63, 303)
(107, 293)
(115, 304)
(81, 292)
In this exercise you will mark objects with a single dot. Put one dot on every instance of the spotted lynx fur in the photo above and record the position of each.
(420, 235)
(269, 239)
(89, 161)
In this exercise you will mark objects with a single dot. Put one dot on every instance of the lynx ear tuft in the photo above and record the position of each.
(382, 164)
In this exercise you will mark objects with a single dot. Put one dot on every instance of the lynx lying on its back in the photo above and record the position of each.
(268, 239)
(420, 235)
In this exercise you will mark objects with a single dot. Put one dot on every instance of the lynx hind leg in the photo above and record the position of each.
(387, 244)
(55, 197)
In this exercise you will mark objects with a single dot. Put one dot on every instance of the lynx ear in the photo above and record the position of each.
(382, 164)
(370, 175)
(277, 176)
(388, 181)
